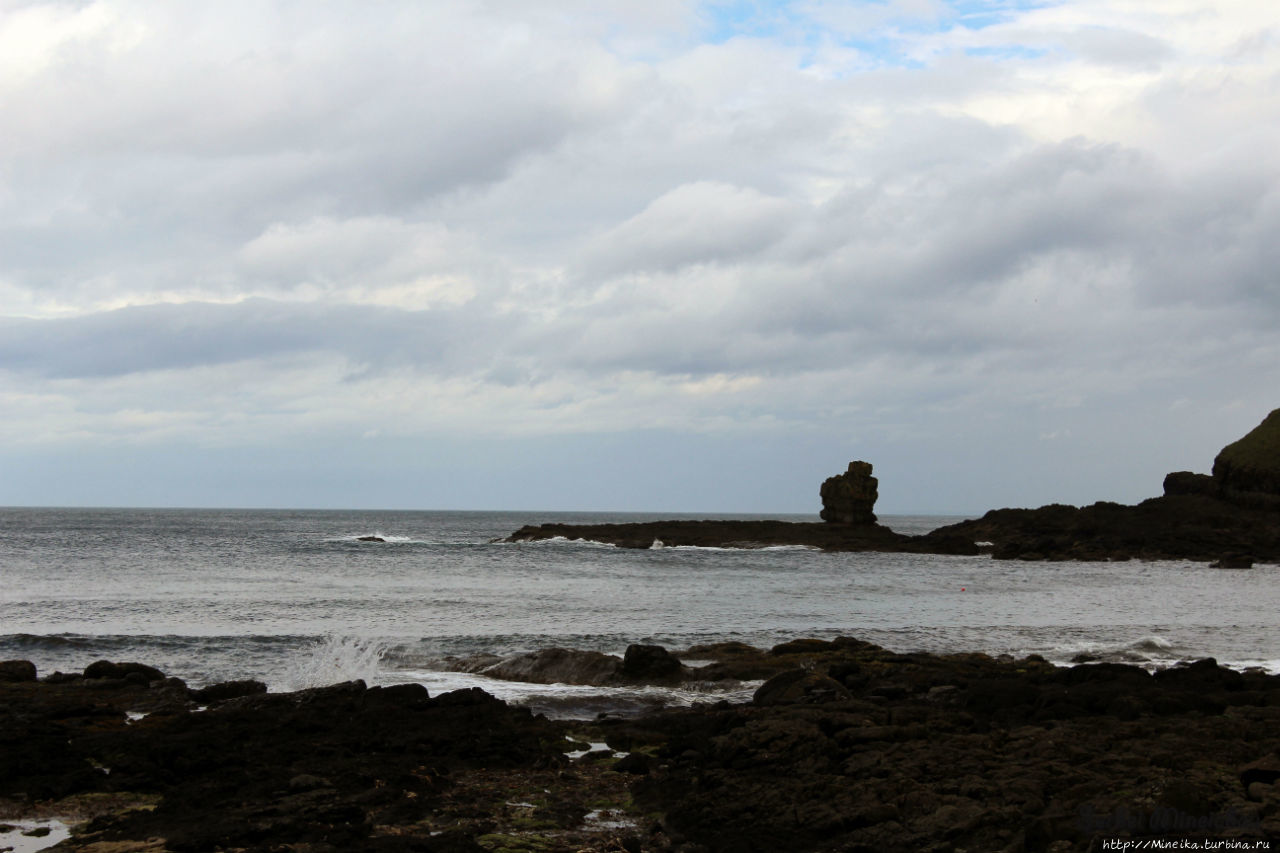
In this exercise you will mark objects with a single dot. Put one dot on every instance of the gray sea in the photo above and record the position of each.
(296, 599)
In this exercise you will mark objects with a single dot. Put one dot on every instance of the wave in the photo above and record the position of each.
(1153, 643)
(659, 544)
(578, 702)
(333, 660)
(559, 540)
(377, 537)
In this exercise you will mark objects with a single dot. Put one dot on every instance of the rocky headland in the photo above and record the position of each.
(849, 525)
(846, 746)
(1230, 517)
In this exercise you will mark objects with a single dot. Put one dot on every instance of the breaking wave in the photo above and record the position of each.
(333, 660)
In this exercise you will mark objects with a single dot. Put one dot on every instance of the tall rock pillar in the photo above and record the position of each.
(849, 498)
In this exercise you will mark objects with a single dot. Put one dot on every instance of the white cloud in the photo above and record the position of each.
(258, 222)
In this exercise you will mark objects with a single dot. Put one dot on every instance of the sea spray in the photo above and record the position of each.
(333, 660)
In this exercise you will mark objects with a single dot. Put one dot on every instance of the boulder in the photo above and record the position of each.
(849, 498)
(799, 686)
(1188, 483)
(17, 670)
(1252, 464)
(228, 690)
(1265, 770)
(650, 663)
(557, 666)
(108, 669)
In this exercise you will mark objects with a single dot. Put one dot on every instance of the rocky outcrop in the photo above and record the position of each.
(225, 690)
(906, 752)
(1252, 464)
(641, 664)
(712, 533)
(850, 747)
(1188, 483)
(799, 686)
(650, 664)
(556, 666)
(17, 670)
(139, 672)
(324, 769)
(1232, 517)
(849, 498)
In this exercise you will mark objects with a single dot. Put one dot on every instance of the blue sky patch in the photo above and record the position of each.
(885, 38)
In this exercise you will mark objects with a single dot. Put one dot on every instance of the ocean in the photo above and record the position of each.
(296, 599)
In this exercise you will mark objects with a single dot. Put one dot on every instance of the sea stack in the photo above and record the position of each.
(849, 498)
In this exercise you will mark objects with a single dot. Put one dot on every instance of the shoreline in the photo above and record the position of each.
(310, 661)
(844, 745)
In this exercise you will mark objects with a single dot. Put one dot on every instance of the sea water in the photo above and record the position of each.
(297, 598)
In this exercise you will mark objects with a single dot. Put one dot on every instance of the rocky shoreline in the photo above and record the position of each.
(713, 533)
(1231, 518)
(845, 746)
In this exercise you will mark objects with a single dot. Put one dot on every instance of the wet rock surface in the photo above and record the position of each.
(847, 746)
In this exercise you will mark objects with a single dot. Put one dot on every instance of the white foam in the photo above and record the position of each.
(591, 746)
(377, 537)
(608, 820)
(658, 543)
(575, 701)
(562, 540)
(1152, 643)
(15, 841)
(334, 660)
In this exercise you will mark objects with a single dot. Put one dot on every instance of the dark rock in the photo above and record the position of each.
(1233, 561)
(650, 664)
(930, 752)
(409, 695)
(370, 539)
(743, 534)
(1204, 674)
(801, 646)
(1187, 483)
(470, 697)
(17, 670)
(62, 677)
(1252, 464)
(1265, 770)
(799, 686)
(107, 669)
(850, 498)
(635, 763)
(227, 690)
(557, 666)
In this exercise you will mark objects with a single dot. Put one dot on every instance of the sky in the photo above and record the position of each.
(665, 255)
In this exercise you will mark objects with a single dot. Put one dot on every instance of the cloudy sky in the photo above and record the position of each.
(660, 255)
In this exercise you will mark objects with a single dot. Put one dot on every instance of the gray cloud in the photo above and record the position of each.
(175, 337)
(577, 220)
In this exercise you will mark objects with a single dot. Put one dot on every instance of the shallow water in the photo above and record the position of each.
(295, 598)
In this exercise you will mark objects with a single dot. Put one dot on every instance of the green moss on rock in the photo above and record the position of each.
(1252, 464)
